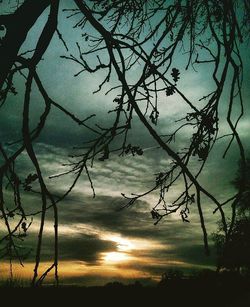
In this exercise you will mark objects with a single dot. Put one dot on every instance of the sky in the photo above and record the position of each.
(99, 241)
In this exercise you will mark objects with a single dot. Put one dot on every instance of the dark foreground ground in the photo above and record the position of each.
(232, 293)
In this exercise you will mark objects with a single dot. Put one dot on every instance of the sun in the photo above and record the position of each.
(115, 257)
(123, 244)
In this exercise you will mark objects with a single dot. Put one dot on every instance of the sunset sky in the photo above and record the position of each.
(99, 242)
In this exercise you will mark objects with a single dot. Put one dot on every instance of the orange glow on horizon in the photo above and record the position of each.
(131, 258)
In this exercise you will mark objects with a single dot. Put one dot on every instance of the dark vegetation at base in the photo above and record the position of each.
(207, 288)
(190, 295)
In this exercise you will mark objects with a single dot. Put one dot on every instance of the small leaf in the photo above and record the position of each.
(24, 226)
(154, 116)
(170, 90)
(175, 74)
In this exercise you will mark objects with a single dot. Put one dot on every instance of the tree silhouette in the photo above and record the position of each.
(244, 202)
(172, 275)
(234, 253)
(119, 37)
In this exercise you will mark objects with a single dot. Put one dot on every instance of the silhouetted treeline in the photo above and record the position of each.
(202, 288)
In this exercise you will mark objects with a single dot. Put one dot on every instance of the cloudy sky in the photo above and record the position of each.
(99, 242)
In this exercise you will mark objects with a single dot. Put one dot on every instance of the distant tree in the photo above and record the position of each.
(115, 285)
(242, 180)
(234, 251)
(119, 37)
(234, 254)
(206, 275)
(171, 275)
(137, 284)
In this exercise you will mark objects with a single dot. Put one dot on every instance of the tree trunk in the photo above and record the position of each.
(17, 26)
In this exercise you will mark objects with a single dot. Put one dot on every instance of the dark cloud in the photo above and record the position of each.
(84, 248)
(180, 241)
(81, 247)
(105, 212)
